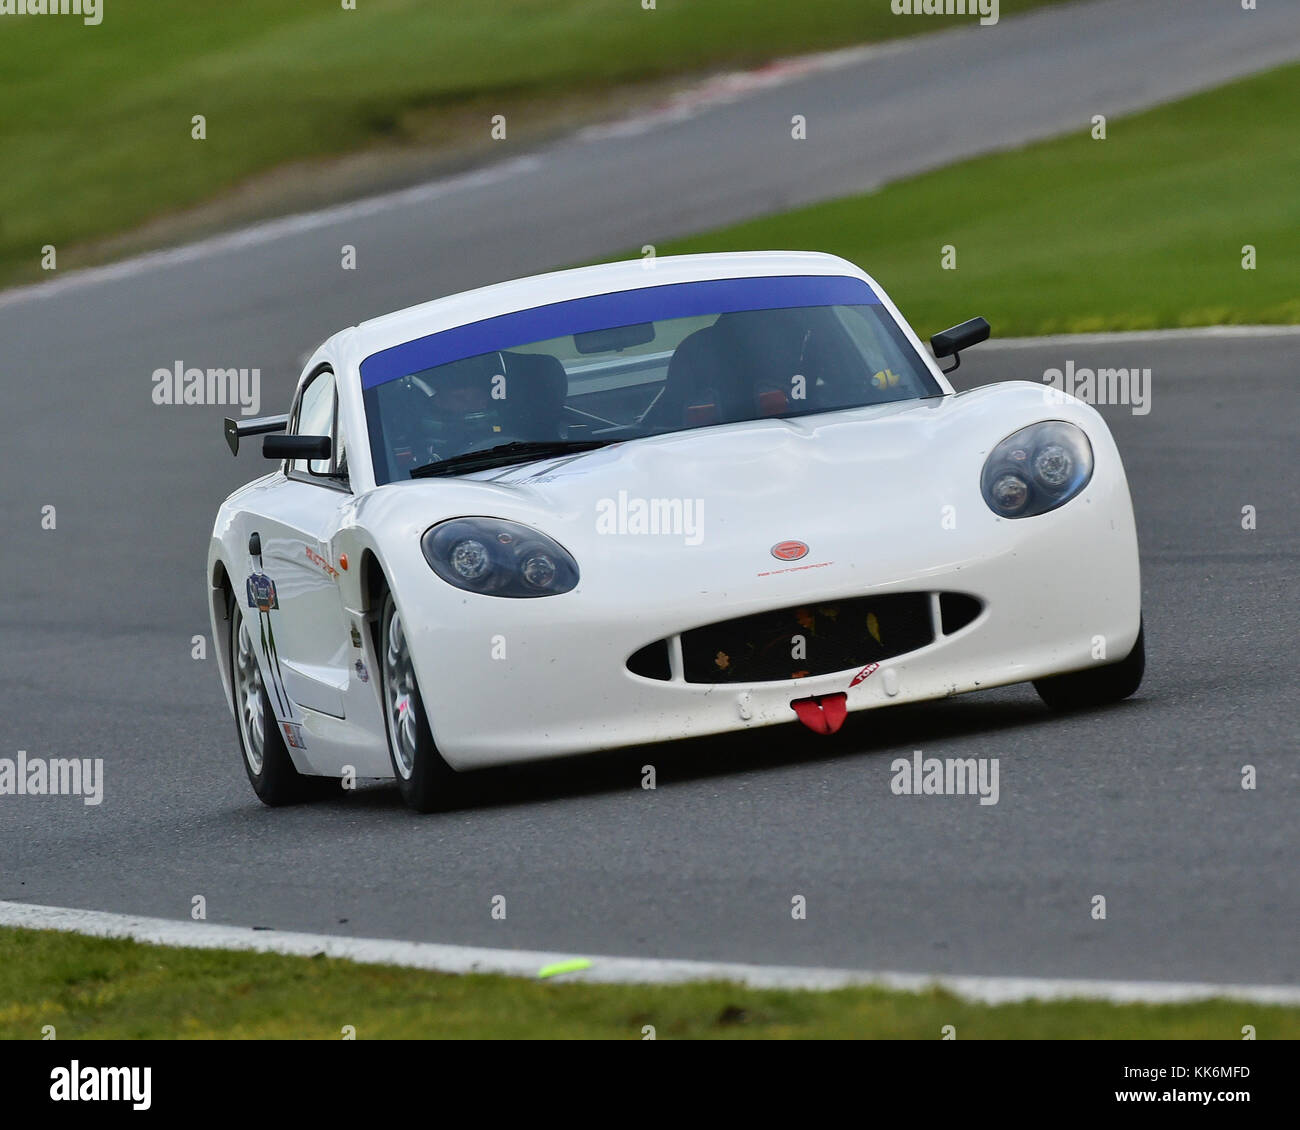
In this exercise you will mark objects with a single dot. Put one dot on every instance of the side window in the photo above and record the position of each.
(316, 417)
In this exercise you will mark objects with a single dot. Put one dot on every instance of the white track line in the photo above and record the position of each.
(709, 92)
(269, 230)
(626, 970)
(732, 86)
(1120, 337)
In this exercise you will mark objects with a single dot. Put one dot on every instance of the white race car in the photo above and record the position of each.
(653, 500)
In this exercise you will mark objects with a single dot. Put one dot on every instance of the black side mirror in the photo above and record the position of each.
(950, 342)
(296, 447)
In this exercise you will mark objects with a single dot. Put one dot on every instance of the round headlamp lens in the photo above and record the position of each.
(1009, 493)
(470, 559)
(1053, 466)
(539, 571)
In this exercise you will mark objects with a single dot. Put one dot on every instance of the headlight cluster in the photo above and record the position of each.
(498, 558)
(1037, 469)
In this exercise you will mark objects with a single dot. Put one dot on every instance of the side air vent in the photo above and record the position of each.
(651, 662)
(956, 610)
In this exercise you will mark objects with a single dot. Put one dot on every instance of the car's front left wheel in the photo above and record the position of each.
(423, 777)
(1096, 686)
(266, 759)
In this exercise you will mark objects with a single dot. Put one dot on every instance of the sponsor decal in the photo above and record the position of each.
(794, 569)
(866, 673)
(261, 595)
(356, 636)
(362, 673)
(293, 734)
(789, 550)
(322, 563)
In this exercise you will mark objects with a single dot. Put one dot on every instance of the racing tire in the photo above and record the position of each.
(424, 779)
(1096, 686)
(266, 758)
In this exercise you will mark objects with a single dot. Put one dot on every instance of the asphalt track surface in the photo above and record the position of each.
(1141, 803)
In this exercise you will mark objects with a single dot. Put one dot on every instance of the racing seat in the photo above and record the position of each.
(701, 387)
(536, 388)
(746, 360)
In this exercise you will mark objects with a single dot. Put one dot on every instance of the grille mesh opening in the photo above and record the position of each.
(809, 639)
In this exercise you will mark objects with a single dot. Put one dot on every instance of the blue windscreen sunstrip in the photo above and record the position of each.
(608, 311)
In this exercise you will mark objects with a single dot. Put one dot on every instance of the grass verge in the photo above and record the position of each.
(95, 988)
(97, 119)
(1142, 230)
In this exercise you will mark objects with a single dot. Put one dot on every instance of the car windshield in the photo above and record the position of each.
(634, 363)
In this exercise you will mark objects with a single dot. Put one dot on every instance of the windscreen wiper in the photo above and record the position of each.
(506, 453)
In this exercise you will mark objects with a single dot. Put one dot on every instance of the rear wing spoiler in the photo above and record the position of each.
(236, 429)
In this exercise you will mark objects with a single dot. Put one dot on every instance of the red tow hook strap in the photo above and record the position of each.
(824, 714)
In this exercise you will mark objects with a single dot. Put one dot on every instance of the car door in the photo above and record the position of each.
(295, 527)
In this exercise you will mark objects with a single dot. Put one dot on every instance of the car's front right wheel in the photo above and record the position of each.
(423, 777)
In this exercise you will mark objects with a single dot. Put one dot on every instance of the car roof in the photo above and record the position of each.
(582, 282)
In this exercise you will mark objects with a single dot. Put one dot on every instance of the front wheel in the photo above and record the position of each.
(266, 759)
(1096, 686)
(423, 778)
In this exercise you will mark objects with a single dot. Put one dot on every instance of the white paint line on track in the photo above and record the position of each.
(269, 230)
(717, 90)
(1120, 337)
(625, 970)
(732, 86)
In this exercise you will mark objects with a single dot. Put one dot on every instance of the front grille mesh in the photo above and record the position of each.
(808, 639)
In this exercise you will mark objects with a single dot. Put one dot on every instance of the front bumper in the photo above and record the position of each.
(506, 681)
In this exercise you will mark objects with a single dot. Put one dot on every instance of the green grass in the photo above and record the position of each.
(1142, 230)
(96, 120)
(93, 988)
